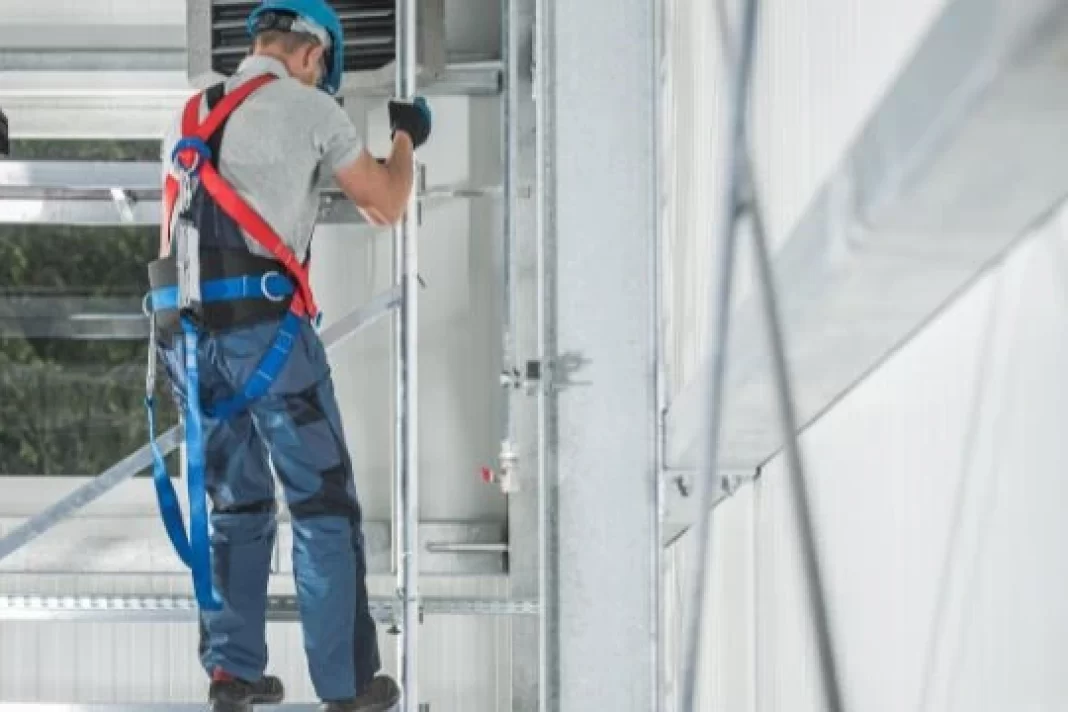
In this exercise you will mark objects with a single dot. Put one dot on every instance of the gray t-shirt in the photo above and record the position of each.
(277, 146)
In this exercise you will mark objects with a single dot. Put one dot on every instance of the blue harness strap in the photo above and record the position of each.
(199, 537)
(272, 286)
(267, 371)
(195, 549)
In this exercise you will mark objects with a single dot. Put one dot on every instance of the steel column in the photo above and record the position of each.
(521, 270)
(406, 413)
(545, 257)
(599, 218)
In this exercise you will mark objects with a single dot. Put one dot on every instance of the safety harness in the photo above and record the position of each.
(238, 289)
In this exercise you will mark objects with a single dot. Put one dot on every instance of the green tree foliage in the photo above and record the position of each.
(73, 406)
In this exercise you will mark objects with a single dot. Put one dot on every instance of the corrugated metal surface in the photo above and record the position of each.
(939, 495)
(822, 65)
(466, 659)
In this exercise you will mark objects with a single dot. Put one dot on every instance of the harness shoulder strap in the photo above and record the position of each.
(228, 199)
(213, 96)
(220, 106)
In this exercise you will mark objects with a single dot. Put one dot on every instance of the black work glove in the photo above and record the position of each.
(411, 117)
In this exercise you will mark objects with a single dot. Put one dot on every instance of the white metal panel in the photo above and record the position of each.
(822, 66)
(726, 677)
(459, 336)
(938, 495)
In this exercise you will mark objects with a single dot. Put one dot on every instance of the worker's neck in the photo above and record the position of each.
(273, 53)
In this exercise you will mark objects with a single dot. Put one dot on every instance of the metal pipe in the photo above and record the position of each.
(658, 573)
(787, 411)
(407, 415)
(548, 615)
(802, 507)
(719, 329)
(87, 494)
(444, 547)
(509, 150)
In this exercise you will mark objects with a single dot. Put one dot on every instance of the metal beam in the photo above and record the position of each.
(90, 47)
(519, 465)
(599, 212)
(113, 104)
(99, 193)
(163, 609)
(80, 318)
(31, 59)
(906, 223)
(142, 458)
(137, 546)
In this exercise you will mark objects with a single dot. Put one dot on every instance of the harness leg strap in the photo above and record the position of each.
(199, 537)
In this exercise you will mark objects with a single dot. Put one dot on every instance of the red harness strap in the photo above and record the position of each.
(228, 199)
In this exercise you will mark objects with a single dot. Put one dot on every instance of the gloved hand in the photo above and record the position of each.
(411, 117)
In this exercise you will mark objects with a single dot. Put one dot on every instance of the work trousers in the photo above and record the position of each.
(296, 428)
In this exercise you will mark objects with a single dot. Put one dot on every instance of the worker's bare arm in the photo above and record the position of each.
(380, 190)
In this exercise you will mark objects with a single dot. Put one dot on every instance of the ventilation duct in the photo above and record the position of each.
(218, 40)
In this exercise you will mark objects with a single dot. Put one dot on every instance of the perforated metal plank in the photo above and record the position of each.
(160, 707)
(184, 608)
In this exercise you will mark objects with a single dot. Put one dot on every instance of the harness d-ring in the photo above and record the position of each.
(266, 292)
(200, 149)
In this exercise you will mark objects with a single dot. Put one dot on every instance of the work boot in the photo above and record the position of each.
(382, 695)
(234, 695)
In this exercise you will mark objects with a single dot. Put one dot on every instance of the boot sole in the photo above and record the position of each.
(246, 706)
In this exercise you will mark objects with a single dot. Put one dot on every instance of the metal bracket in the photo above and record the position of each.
(563, 369)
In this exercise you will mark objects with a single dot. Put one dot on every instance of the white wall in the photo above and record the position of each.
(939, 495)
(821, 68)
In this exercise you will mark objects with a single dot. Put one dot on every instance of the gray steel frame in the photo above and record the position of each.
(596, 137)
(136, 547)
(520, 458)
(95, 193)
(406, 372)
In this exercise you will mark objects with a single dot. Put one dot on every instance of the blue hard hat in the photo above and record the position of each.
(320, 13)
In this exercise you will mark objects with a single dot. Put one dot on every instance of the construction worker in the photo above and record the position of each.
(235, 325)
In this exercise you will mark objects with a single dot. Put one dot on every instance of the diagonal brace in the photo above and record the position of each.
(335, 334)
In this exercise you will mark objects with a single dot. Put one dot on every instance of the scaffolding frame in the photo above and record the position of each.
(57, 192)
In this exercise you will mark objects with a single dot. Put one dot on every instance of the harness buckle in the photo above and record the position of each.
(266, 292)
